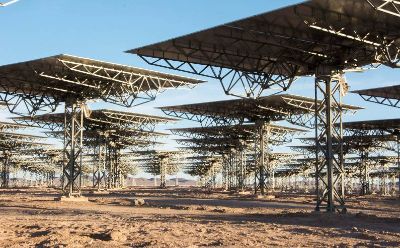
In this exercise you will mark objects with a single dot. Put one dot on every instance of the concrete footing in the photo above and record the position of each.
(99, 192)
(244, 193)
(138, 202)
(72, 199)
(265, 197)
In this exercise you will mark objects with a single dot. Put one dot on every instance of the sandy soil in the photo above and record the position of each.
(192, 218)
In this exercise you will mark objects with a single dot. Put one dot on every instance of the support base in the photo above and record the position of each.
(99, 192)
(268, 197)
(72, 199)
(244, 193)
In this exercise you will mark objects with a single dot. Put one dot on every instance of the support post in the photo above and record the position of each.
(5, 171)
(117, 180)
(213, 176)
(262, 175)
(329, 141)
(163, 172)
(109, 165)
(398, 160)
(230, 171)
(114, 180)
(242, 170)
(365, 187)
(225, 172)
(100, 166)
(73, 135)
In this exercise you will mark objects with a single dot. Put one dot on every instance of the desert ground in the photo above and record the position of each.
(192, 217)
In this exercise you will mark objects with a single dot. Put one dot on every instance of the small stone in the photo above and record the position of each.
(201, 230)
(219, 210)
(116, 235)
(202, 208)
(138, 202)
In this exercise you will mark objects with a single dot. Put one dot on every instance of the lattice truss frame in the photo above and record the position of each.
(13, 145)
(379, 44)
(285, 43)
(73, 150)
(232, 141)
(297, 110)
(240, 111)
(264, 164)
(39, 162)
(233, 162)
(205, 167)
(123, 139)
(355, 143)
(233, 79)
(234, 169)
(97, 119)
(161, 163)
(237, 137)
(388, 130)
(362, 143)
(303, 166)
(329, 158)
(389, 96)
(367, 164)
(244, 110)
(391, 7)
(101, 165)
(330, 172)
(314, 34)
(117, 123)
(111, 164)
(234, 82)
(43, 84)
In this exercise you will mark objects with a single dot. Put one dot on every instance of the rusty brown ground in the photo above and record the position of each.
(189, 217)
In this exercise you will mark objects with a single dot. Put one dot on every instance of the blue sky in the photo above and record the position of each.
(103, 29)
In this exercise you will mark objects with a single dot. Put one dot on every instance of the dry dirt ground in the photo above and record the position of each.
(192, 218)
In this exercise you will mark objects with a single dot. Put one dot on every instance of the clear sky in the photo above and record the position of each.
(101, 29)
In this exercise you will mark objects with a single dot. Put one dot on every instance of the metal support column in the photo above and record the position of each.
(364, 175)
(5, 170)
(118, 181)
(109, 165)
(73, 135)
(100, 165)
(112, 165)
(230, 171)
(329, 154)
(163, 172)
(242, 170)
(176, 180)
(262, 175)
(213, 176)
(225, 172)
(398, 159)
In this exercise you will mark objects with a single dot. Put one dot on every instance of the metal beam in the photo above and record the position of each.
(73, 149)
(329, 157)
(391, 7)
